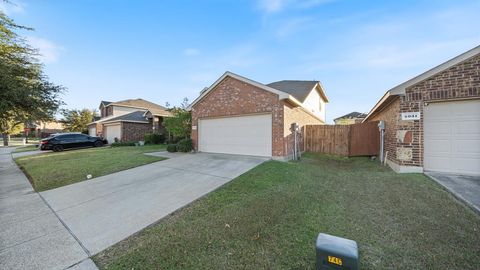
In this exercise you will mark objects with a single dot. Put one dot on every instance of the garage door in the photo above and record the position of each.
(112, 132)
(243, 135)
(452, 137)
(92, 131)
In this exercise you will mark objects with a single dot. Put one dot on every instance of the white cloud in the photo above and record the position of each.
(273, 6)
(400, 42)
(12, 8)
(49, 51)
(202, 71)
(191, 52)
(292, 26)
(311, 3)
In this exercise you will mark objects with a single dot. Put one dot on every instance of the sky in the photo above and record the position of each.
(163, 51)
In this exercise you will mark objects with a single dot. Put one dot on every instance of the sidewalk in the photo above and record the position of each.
(31, 235)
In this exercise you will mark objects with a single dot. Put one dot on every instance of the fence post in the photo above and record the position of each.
(305, 138)
(349, 140)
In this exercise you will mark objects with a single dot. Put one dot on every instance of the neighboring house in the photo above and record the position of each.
(237, 115)
(351, 118)
(433, 120)
(44, 129)
(128, 120)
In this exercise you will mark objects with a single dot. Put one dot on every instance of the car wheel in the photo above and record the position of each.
(57, 148)
(98, 144)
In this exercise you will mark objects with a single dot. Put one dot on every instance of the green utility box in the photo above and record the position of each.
(336, 253)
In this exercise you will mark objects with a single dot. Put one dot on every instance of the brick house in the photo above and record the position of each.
(433, 120)
(43, 129)
(237, 115)
(128, 120)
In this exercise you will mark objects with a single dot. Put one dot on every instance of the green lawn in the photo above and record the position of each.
(26, 148)
(54, 170)
(269, 218)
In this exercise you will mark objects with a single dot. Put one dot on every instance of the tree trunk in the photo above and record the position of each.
(6, 139)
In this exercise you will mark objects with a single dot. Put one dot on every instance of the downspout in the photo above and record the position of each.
(381, 128)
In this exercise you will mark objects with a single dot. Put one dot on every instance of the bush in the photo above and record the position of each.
(185, 145)
(154, 138)
(172, 148)
(119, 144)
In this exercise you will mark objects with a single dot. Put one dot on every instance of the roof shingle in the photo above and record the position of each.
(298, 89)
(136, 116)
(352, 115)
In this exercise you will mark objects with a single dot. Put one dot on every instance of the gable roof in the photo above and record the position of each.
(351, 115)
(298, 89)
(138, 103)
(105, 103)
(399, 90)
(157, 112)
(281, 94)
(136, 116)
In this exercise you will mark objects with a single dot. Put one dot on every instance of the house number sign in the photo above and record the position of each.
(411, 116)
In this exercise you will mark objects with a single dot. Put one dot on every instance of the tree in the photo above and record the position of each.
(78, 120)
(180, 124)
(25, 92)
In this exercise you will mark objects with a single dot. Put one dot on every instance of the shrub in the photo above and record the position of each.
(154, 138)
(172, 139)
(119, 144)
(185, 145)
(172, 148)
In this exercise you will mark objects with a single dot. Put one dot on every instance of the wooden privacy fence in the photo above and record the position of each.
(346, 140)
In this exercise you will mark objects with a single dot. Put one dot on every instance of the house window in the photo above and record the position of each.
(320, 106)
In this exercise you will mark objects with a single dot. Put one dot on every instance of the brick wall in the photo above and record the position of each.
(132, 132)
(233, 97)
(296, 115)
(404, 139)
(461, 81)
(99, 129)
(391, 117)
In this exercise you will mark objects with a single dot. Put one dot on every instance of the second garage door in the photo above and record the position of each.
(452, 137)
(112, 132)
(243, 135)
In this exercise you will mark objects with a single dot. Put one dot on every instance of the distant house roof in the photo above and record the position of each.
(352, 115)
(105, 103)
(157, 112)
(139, 104)
(298, 89)
(136, 116)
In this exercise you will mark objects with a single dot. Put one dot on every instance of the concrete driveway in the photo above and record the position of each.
(102, 211)
(464, 187)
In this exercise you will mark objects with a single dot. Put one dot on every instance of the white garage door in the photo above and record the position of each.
(112, 132)
(243, 135)
(92, 131)
(452, 137)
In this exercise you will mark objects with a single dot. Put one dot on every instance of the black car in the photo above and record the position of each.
(70, 140)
